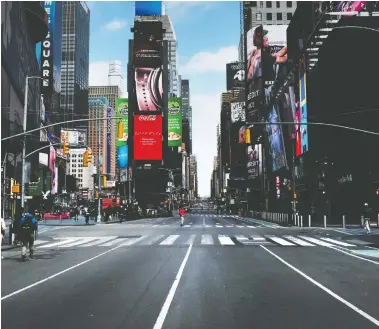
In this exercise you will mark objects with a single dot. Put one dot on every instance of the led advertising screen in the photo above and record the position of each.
(122, 157)
(147, 64)
(122, 122)
(175, 122)
(303, 106)
(276, 141)
(235, 76)
(254, 161)
(148, 8)
(53, 170)
(287, 109)
(110, 130)
(147, 137)
(238, 113)
(254, 84)
(74, 137)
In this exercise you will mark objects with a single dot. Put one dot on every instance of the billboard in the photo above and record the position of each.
(276, 141)
(254, 161)
(148, 8)
(110, 129)
(122, 124)
(175, 122)
(303, 109)
(74, 137)
(147, 137)
(123, 157)
(147, 64)
(235, 76)
(53, 171)
(238, 113)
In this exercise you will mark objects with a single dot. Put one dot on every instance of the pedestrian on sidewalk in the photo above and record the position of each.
(28, 230)
(2, 233)
(367, 217)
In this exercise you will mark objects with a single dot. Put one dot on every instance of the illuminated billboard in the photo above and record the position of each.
(147, 137)
(122, 123)
(235, 76)
(303, 107)
(175, 132)
(147, 64)
(74, 137)
(148, 8)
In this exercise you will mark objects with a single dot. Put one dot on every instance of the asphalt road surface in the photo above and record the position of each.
(217, 271)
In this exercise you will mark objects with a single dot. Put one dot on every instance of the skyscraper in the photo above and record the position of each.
(111, 93)
(75, 62)
(187, 114)
(115, 77)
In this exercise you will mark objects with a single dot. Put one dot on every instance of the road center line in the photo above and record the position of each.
(57, 274)
(328, 291)
(166, 306)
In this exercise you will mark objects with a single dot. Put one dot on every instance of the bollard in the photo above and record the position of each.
(343, 221)
(362, 221)
(378, 220)
(309, 220)
(295, 219)
(301, 221)
(324, 221)
(60, 218)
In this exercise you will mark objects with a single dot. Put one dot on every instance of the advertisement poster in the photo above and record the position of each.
(276, 141)
(122, 127)
(175, 122)
(52, 168)
(147, 137)
(253, 161)
(238, 113)
(303, 105)
(235, 76)
(110, 129)
(122, 157)
(147, 62)
(74, 137)
(148, 8)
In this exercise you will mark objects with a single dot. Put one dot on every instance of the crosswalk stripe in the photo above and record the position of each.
(134, 240)
(225, 240)
(258, 238)
(56, 244)
(250, 226)
(240, 226)
(170, 240)
(77, 242)
(207, 239)
(338, 242)
(280, 241)
(113, 242)
(186, 225)
(316, 241)
(38, 242)
(154, 239)
(191, 239)
(219, 226)
(298, 241)
(229, 225)
(100, 241)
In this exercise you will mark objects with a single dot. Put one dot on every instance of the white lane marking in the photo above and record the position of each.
(207, 239)
(328, 291)
(250, 226)
(113, 242)
(57, 274)
(258, 238)
(170, 240)
(334, 229)
(48, 229)
(191, 239)
(338, 242)
(203, 220)
(225, 240)
(280, 241)
(133, 240)
(208, 226)
(229, 225)
(101, 241)
(166, 306)
(316, 241)
(240, 226)
(38, 242)
(81, 240)
(219, 226)
(56, 244)
(153, 240)
(352, 255)
(187, 226)
(298, 241)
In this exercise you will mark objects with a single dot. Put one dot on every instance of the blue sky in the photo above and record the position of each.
(207, 35)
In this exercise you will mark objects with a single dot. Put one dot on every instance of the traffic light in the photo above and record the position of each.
(66, 149)
(105, 181)
(85, 159)
(89, 156)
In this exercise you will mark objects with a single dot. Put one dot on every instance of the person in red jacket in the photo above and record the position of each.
(181, 213)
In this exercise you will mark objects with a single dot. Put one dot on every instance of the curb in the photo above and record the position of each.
(261, 222)
(135, 220)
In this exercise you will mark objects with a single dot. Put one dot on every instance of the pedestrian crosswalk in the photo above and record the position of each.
(190, 225)
(187, 239)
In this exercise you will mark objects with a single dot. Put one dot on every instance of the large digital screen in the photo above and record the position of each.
(303, 106)
(147, 63)
(287, 110)
(53, 171)
(147, 137)
(175, 122)
(74, 137)
(148, 8)
(235, 76)
(122, 157)
(110, 132)
(276, 141)
(122, 121)
(254, 161)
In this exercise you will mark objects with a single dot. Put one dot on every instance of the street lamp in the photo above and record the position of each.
(23, 178)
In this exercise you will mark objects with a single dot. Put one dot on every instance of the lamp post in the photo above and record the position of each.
(23, 178)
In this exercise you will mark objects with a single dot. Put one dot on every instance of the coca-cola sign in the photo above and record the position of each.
(147, 117)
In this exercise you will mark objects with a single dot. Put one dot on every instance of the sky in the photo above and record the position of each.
(207, 36)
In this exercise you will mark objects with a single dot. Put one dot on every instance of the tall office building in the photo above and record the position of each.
(97, 130)
(75, 62)
(111, 93)
(193, 175)
(115, 77)
(187, 112)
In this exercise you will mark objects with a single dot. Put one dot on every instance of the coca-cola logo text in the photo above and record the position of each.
(147, 117)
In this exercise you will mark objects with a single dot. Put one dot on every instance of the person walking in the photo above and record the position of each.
(367, 217)
(28, 229)
(182, 212)
(2, 233)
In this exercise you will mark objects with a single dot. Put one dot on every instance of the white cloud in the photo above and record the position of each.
(116, 24)
(206, 61)
(178, 10)
(205, 117)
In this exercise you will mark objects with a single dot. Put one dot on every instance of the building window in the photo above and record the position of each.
(254, 4)
(268, 4)
(259, 16)
(277, 4)
(289, 4)
(289, 16)
(269, 16)
(279, 16)
(261, 4)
